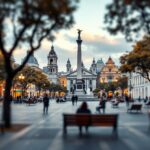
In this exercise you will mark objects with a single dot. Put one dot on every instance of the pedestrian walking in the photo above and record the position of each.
(127, 100)
(76, 99)
(45, 104)
(73, 99)
(102, 105)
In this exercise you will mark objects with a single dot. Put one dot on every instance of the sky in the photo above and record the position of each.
(96, 41)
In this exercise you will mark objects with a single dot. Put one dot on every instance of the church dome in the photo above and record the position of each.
(100, 61)
(33, 61)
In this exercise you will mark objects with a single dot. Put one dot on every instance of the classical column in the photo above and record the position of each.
(79, 56)
(94, 84)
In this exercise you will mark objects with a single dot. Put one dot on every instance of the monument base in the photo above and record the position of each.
(79, 87)
(83, 97)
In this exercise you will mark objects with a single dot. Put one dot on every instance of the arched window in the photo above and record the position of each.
(51, 61)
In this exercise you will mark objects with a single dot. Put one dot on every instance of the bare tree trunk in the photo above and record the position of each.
(6, 104)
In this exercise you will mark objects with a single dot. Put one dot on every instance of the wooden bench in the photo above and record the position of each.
(90, 120)
(135, 107)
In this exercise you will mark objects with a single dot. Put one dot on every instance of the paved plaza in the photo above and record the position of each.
(45, 132)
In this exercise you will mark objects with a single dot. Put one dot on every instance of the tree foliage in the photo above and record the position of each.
(138, 60)
(24, 24)
(122, 82)
(32, 76)
(112, 86)
(130, 17)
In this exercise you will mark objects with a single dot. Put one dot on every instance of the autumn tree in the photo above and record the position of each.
(23, 25)
(42, 82)
(32, 76)
(29, 76)
(138, 60)
(130, 17)
(123, 83)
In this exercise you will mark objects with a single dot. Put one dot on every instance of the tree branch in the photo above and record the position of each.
(42, 37)
(18, 38)
(24, 62)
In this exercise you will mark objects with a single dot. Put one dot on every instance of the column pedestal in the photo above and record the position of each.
(79, 87)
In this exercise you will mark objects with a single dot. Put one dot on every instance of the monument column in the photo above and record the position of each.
(79, 82)
(79, 56)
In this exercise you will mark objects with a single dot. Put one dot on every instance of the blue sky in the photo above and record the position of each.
(97, 42)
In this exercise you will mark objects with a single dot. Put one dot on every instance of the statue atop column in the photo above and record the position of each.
(79, 33)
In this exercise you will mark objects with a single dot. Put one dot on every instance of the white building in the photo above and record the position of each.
(138, 86)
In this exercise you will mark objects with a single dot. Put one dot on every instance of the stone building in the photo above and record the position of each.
(109, 72)
(52, 68)
(138, 86)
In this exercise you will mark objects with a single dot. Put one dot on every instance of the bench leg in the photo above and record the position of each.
(64, 130)
(115, 128)
(2, 129)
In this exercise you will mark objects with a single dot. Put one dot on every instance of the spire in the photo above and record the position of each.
(110, 61)
(52, 51)
(68, 61)
(68, 66)
(93, 60)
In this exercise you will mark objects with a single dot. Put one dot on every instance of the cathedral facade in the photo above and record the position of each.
(109, 72)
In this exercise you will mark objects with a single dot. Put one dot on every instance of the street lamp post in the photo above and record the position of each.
(21, 78)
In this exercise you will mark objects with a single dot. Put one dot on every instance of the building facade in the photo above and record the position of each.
(109, 72)
(138, 86)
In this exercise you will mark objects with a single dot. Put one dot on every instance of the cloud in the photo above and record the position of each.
(93, 46)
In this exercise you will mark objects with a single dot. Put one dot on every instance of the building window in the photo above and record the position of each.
(90, 82)
(51, 61)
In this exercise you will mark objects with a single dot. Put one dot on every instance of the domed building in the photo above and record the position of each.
(99, 65)
(32, 62)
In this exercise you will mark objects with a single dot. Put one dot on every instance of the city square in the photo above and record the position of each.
(46, 132)
(74, 75)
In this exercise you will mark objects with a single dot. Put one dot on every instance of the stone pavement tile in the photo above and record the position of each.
(47, 130)
(39, 139)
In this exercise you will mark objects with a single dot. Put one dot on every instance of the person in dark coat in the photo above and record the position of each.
(45, 104)
(83, 109)
(76, 99)
(127, 100)
(73, 99)
(102, 105)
